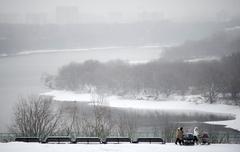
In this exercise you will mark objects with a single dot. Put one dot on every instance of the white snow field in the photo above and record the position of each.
(176, 103)
(169, 147)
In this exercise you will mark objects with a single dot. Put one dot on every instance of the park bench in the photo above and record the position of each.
(57, 139)
(149, 140)
(116, 140)
(86, 140)
(27, 139)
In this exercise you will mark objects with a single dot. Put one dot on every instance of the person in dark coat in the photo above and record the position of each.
(181, 136)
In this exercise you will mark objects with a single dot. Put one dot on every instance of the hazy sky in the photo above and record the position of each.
(180, 9)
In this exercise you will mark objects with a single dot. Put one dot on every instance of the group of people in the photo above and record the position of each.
(180, 134)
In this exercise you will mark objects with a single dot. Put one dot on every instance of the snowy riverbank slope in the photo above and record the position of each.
(36, 147)
(170, 104)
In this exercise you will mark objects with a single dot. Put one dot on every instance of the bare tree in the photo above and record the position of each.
(127, 125)
(99, 124)
(211, 93)
(73, 121)
(102, 117)
(35, 116)
(48, 80)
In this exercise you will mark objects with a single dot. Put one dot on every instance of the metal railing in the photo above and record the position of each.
(213, 137)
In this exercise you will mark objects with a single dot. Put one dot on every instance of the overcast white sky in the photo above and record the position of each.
(180, 9)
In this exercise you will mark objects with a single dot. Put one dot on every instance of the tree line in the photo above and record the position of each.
(216, 45)
(212, 79)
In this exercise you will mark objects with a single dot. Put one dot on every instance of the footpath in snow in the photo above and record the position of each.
(169, 147)
(170, 104)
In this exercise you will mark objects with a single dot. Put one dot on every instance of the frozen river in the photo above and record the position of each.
(20, 74)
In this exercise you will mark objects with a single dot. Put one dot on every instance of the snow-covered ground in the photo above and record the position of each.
(176, 103)
(45, 51)
(210, 58)
(65, 50)
(169, 147)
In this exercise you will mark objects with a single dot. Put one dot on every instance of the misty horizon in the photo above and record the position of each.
(109, 11)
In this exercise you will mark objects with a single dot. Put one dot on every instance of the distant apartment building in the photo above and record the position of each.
(67, 15)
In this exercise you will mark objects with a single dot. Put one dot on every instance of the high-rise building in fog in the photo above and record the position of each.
(67, 15)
